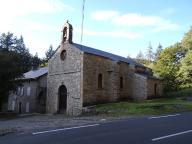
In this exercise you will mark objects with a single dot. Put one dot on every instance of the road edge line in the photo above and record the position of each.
(63, 129)
(164, 116)
(171, 135)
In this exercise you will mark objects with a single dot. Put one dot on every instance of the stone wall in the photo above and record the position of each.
(111, 72)
(93, 66)
(126, 71)
(42, 81)
(139, 87)
(65, 72)
(151, 84)
(23, 98)
(41, 94)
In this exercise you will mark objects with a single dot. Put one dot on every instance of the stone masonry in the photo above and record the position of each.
(79, 76)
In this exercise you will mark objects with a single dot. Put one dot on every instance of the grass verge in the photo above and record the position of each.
(148, 107)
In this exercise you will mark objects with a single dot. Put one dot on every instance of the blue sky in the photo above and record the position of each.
(121, 27)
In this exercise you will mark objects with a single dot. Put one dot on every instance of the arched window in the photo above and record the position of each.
(63, 55)
(121, 82)
(64, 34)
(100, 81)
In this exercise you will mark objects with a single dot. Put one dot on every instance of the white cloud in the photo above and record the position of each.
(11, 12)
(42, 27)
(157, 24)
(17, 16)
(134, 19)
(104, 15)
(154, 23)
(11, 8)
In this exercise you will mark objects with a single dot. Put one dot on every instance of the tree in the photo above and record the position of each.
(49, 52)
(167, 65)
(187, 40)
(25, 56)
(158, 51)
(149, 53)
(15, 59)
(10, 69)
(185, 71)
(36, 61)
(140, 55)
(7, 41)
(141, 59)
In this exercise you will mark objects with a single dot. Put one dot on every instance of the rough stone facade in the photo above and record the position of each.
(79, 76)
(30, 96)
(154, 88)
(139, 87)
(67, 72)
(112, 72)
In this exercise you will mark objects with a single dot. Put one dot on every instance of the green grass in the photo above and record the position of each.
(148, 107)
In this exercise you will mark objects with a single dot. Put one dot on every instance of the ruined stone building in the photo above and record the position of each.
(79, 75)
(30, 95)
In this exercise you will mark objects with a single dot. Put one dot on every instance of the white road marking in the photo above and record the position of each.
(164, 116)
(171, 135)
(70, 128)
(102, 119)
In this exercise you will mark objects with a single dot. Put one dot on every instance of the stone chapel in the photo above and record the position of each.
(79, 76)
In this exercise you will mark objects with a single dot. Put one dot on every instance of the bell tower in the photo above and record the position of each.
(67, 33)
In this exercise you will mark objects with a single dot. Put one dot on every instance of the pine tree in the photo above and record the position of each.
(49, 52)
(158, 51)
(36, 61)
(149, 53)
(140, 56)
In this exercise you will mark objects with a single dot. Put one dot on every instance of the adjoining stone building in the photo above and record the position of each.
(30, 96)
(79, 76)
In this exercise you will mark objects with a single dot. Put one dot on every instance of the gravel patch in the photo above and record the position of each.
(34, 123)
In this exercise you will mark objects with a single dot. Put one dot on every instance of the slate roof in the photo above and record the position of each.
(106, 54)
(34, 74)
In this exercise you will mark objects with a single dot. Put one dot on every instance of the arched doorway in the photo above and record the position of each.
(41, 101)
(62, 99)
(20, 107)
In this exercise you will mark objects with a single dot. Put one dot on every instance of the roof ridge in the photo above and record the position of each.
(106, 54)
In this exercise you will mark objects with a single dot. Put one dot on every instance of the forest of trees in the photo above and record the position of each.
(173, 64)
(15, 59)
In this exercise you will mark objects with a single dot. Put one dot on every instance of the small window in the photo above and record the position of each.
(18, 90)
(121, 82)
(100, 83)
(13, 106)
(27, 107)
(63, 55)
(22, 91)
(28, 91)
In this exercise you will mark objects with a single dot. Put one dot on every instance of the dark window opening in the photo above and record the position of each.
(62, 99)
(121, 82)
(63, 55)
(155, 89)
(100, 81)
(65, 34)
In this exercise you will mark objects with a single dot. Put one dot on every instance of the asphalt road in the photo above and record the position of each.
(170, 129)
